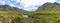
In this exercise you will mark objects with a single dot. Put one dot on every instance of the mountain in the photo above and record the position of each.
(49, 5)
(45, 8)
(9, 8)
(49, 8)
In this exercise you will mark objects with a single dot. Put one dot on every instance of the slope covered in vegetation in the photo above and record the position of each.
(47, 13)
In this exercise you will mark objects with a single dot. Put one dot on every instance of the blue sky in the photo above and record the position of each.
(29, 5)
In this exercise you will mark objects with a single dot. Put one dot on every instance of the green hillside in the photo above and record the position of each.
(47, 13)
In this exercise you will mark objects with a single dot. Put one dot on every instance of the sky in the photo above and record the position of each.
(28, 5)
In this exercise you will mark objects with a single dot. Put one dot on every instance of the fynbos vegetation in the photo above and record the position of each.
(47, 13)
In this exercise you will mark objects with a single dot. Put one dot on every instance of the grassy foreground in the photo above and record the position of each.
(15, 17)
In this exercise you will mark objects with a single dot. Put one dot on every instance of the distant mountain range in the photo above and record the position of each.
(45, 7)
(9, 8)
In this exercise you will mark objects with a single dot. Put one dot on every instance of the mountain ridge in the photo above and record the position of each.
(44, 7)
(9, 8)
(51, 5)
(49, 8)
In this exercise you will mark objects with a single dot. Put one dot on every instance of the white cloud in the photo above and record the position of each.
(18, 1)
(13, 0)
(12, 5)
(52, 1)
(35, 2)
(31, 8)
(2, 2)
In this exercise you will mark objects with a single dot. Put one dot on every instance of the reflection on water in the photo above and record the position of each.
(26, 16)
